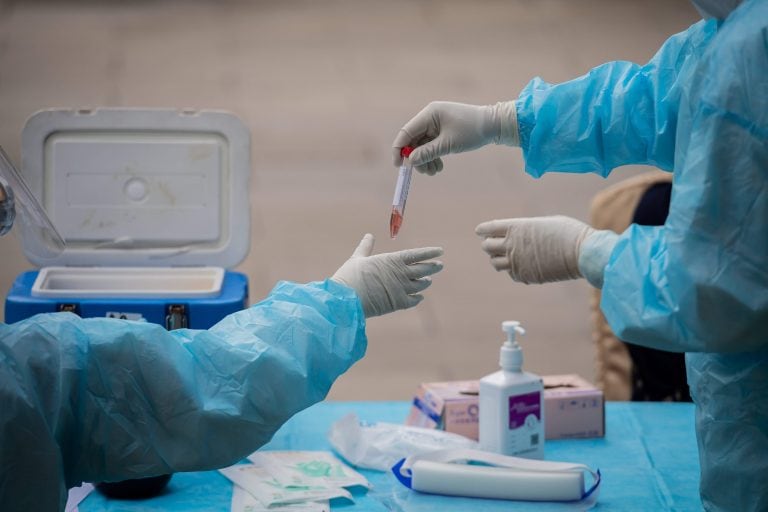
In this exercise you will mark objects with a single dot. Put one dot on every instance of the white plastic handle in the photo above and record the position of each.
(496, 483)
(504, 477)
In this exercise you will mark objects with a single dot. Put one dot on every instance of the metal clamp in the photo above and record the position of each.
(68, 308)
(176, 317)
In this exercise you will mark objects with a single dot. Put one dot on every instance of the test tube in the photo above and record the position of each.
(401, 192)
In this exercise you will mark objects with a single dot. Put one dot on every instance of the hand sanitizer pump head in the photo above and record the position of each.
(511, 355)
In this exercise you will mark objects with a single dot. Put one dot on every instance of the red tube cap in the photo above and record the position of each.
(406, 151)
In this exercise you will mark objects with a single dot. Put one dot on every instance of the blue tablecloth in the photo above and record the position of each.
(648, 459)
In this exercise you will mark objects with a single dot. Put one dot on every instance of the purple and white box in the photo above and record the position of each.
(573, 408)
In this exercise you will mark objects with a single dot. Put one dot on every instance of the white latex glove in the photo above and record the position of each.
(547, 249)
(389, 281)
(444, 127)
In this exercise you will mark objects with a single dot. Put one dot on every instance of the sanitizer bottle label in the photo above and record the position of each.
(525, 434)
(525, 410)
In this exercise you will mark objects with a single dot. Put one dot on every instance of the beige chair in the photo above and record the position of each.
(613, 209)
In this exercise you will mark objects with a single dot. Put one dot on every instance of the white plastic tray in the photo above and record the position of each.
(126, 282)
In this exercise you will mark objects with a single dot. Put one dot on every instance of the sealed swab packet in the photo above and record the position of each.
(380, 445)
(479, 474)
(308, 468)
(242, 501)
(260, 484)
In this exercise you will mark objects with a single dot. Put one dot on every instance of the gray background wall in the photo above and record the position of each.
(324, 87)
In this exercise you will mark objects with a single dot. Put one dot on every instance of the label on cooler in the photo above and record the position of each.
(125, 316)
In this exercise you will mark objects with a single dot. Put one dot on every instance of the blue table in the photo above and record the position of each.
(648, 459)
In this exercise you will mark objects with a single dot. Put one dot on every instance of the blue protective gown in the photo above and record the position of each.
(108, 400)
(698, 284)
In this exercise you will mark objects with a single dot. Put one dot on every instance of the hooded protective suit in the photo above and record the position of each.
(698, 284)
(108, 400)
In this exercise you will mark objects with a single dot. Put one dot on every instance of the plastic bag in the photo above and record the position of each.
(381, 445)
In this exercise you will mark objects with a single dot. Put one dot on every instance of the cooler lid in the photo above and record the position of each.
(141, 187)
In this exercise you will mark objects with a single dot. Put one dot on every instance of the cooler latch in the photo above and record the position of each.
(68, 308)
(176, 317)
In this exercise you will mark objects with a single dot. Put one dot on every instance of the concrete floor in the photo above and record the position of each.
(324, 87)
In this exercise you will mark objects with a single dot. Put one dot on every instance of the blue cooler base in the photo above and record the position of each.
(199, 313)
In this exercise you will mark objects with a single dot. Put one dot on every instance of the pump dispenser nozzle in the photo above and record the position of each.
(511, 355)
(511, 327)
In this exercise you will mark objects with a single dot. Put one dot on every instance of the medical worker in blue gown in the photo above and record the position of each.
(698, 284)
(107, 400)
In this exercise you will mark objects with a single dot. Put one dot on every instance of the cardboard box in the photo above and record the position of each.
(573, 408)
(449, 406)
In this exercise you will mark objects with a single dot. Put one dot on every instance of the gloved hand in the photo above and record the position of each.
(389, 281)
(546, 249)
(444, 127)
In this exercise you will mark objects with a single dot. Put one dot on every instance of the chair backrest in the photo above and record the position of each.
(613, 208)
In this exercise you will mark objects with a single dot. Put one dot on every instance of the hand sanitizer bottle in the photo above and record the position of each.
(512, 404)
